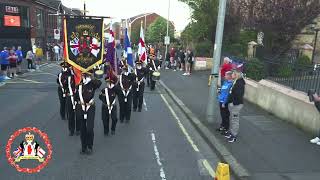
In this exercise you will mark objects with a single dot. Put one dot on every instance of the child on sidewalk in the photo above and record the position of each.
(223, 101)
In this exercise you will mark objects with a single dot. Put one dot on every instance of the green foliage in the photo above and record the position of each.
(204, 49)
(285, 71)
(135, 34)
(158, 30)
(238, 46)
(254, 69)
(203, 21)
(303, 61)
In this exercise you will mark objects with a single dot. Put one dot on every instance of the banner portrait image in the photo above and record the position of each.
(84, 42)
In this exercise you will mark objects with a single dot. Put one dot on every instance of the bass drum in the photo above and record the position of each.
(155, 76)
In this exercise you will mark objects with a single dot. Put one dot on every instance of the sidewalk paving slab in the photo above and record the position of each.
(267, 147)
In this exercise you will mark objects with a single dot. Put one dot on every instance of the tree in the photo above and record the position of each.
(281, 19)
(158, 30)
(135, 34)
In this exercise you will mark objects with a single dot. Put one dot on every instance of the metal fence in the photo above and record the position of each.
(296, 76)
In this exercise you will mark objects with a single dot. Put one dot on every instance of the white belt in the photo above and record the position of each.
(139, 82)
(110, 106)
(83, 105)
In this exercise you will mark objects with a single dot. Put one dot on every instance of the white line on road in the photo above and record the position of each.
(205, 163)
(145, 104)
(194, 146)
(157, 154)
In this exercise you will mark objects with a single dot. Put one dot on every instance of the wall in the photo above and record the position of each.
(287, 104)
(200, 61)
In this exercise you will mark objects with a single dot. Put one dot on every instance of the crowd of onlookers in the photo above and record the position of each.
(182, 60)
(11, 59)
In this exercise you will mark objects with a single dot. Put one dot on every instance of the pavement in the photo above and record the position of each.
(159, 143)
(267, 147)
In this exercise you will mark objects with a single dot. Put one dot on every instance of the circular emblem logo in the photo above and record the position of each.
(29, 149)
(57, 31)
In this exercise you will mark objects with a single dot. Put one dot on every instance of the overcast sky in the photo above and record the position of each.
(179, 12)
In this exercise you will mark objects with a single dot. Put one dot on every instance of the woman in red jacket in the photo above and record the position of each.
(13, 63)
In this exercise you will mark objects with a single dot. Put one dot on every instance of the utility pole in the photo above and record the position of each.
(167, 29)
(84, 8)
(212, 107)
(315, 45)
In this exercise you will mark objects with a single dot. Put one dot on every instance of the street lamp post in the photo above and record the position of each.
(315, 44)
(84, 8)
(167, 29)
(212, 99)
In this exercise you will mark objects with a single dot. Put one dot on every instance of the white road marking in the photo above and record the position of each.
(157, 154)
(145, 104)
(194, 146)
(209, 168)
(29, 80)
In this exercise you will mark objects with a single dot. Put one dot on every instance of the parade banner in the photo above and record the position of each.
(84, 42)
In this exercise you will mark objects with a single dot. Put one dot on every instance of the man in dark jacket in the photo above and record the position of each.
(235, 104)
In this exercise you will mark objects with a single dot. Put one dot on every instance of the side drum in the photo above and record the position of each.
(155, 76)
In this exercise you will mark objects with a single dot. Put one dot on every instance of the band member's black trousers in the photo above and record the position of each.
(106, 118)
(73, 122)
(225, 115)
(87, 125)
(138, 96)
(62, 103)
(149, 78)
(125, 107)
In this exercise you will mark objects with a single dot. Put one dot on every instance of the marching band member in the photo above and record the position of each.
(62, 81)
(109, 107)
(73, 123)
(126, 82)
(153, 66)
(140, 73)
(85, 110)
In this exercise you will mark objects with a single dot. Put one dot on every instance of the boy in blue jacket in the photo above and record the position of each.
(223, 101)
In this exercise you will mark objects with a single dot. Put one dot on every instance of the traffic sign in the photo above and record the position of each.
(167, 40)
(57, 34)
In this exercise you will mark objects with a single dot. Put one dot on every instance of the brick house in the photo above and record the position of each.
(28, 22)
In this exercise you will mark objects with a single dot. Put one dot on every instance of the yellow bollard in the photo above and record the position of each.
(209, 80)
(222, 172)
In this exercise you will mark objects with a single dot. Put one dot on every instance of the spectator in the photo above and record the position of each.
(4, 60)
(172, 54)
(168, 65)
(223, 101)
(182, 57)
(316, 100)
(159, 57)
(13, 59)
(34, 47)
(189, 62)
(226, 66)
(39, 56)
(20, 58)
(29, 58)
(56, 50)
(235, 104)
